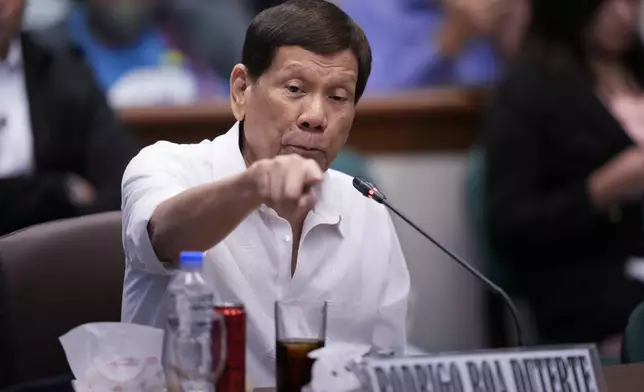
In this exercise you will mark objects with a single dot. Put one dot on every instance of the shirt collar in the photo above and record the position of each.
(14, 57)
(326, 210)
(327, 206)
(226, 146)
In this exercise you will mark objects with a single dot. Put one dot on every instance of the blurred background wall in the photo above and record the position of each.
(447, 311)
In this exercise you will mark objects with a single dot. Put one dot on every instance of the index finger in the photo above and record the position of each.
(312, 172)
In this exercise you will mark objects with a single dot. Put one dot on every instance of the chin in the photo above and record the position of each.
(322, 162)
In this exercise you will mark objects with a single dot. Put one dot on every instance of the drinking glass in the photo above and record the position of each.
(300, 328)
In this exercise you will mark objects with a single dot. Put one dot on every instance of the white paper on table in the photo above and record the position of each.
(331, 371)
(115, 356)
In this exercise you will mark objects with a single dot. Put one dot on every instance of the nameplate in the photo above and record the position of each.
(551, 369)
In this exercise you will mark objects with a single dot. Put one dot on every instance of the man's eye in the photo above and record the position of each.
(294, 89)
(338, 98)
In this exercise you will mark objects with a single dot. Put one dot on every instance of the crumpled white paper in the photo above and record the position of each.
(115, 357)
(331, 371)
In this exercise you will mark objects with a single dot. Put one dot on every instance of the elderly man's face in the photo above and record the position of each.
(303, 104)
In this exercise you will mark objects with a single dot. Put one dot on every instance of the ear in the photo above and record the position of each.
(240, 85)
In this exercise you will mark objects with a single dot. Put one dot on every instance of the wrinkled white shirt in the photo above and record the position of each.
(349, 254)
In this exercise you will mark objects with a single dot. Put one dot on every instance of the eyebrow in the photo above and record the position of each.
(342, 77)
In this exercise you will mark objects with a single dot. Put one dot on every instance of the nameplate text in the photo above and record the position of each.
(533, 370)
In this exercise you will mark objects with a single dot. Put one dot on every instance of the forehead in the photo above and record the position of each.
(294, 59)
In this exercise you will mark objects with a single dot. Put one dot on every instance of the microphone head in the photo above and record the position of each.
(368, 189)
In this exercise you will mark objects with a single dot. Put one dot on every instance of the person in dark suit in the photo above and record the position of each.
(565, 169)
(62, 150)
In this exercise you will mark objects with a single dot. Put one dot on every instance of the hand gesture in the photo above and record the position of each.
(466, 19)
(479, 17)
(285, 183)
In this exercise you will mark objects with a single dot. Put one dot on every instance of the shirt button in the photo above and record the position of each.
(287, 238)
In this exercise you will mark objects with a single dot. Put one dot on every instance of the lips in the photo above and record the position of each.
(302, 151)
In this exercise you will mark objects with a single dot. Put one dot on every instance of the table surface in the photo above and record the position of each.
(624, 378)
(619, 378)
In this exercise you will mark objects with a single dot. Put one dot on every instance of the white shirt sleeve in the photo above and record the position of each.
(391, 325)
(156, 174)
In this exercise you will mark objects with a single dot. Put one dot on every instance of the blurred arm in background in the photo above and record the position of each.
(420, 43)
(501, 21)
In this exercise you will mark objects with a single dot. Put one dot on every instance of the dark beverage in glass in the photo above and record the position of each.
(293, 364)
(300, 328)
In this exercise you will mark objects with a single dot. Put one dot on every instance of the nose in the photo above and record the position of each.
(313, 117)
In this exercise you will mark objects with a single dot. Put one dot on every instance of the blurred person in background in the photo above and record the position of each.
(565, 169)
(139, 55)
(62, 151)
(421, 43)
(213, 30)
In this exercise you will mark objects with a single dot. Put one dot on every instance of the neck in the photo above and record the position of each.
(294, 218)
(243, 146)
(296, 222)
(246, 155)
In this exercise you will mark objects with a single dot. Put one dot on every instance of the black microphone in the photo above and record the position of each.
(371, 191)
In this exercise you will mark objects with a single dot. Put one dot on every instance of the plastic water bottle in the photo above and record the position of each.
(189, 327)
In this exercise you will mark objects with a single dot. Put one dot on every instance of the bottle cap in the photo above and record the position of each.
(190, 259)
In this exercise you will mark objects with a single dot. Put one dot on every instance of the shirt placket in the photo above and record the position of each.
(284, 242)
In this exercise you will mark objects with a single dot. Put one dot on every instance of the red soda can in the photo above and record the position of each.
(233, 377)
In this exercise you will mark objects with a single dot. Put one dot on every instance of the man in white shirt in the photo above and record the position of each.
(274, 221)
